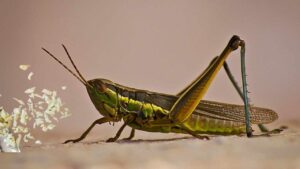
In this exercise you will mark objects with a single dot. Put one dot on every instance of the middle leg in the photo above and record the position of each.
(132, 133)
(113, 139)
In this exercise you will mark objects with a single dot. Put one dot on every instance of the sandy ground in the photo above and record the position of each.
(280, 151)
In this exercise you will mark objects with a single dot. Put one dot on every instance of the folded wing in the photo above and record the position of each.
(218, 110)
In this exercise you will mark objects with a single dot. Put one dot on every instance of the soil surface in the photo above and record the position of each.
(165, 151)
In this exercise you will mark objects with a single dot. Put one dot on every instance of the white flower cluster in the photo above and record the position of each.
(42, 110)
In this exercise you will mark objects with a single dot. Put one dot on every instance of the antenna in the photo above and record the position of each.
(70, 58)
(83, 81)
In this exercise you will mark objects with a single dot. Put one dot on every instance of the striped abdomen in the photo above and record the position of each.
(202, 124)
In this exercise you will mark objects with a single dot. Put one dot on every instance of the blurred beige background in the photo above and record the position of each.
(155, 45)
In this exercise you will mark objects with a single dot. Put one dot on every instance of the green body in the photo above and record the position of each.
(143, 110)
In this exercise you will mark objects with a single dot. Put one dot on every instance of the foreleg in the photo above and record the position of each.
(99, 121)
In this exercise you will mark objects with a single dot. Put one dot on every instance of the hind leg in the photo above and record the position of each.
(262, 128)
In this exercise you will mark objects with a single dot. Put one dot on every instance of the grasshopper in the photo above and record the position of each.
(185, 112)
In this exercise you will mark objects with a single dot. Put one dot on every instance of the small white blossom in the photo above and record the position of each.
(47, 92)
(30, 75)
(38, 142)
(19, 101)
(24, 67)
(30, 90)
(24, 117)
(27, 136)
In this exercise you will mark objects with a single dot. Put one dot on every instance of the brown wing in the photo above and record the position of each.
(235, 112)
(224, 111)
(218, 110)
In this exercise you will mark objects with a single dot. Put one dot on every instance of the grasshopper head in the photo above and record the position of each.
(97, 88)
(96, 85)
(98, 92)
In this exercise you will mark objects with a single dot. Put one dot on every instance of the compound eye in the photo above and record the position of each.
(101, 87)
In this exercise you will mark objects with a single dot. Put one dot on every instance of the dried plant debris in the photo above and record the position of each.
(30, 75)
(41, 110)
(24, 67)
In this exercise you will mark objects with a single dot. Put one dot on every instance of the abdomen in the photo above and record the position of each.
(199, 125)
(206, 125)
